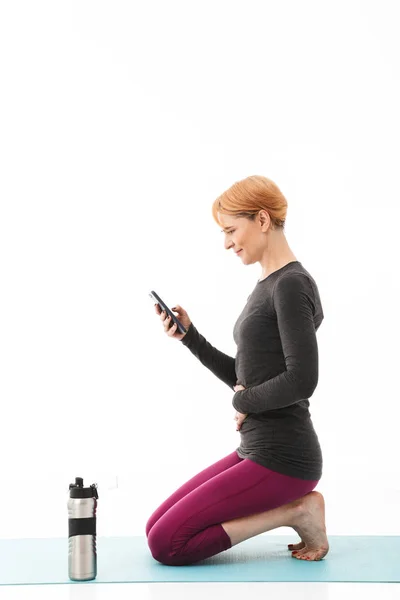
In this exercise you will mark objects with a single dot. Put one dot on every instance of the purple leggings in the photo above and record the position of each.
(187, 528)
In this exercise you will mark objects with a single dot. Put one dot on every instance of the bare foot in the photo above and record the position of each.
(310, 525)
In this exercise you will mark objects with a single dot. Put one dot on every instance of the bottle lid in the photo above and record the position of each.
(78, 491)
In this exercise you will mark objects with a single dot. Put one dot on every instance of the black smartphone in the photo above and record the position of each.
(157, 300)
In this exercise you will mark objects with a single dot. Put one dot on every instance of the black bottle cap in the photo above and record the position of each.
(76, 490)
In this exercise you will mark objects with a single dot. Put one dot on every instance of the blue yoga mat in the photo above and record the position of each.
(262, 558)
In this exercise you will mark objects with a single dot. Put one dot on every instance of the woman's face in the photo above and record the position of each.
(243, 236)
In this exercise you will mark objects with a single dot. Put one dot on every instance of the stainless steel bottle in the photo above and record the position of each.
(82, 554)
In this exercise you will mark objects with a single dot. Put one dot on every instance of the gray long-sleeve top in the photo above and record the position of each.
(277, 363)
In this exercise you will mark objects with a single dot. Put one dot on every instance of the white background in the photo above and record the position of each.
(121, 122)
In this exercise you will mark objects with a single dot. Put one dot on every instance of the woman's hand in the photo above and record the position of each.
(239, 417)
(182, 316)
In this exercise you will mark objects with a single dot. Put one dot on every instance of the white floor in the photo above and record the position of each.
(197, 591)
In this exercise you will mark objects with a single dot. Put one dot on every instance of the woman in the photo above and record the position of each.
(268, 481)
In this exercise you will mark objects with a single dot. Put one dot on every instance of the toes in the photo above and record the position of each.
(309, 554)
(304, 556)
(298, 553)
(295, 547)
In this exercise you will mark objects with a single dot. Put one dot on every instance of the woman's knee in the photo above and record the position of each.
(149, 525)
(157, 544)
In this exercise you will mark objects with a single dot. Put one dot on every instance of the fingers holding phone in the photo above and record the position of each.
(170, 327)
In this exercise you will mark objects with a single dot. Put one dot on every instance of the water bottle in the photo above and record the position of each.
(82, 555)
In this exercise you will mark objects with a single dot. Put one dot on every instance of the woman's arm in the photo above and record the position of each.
(222, 365)
(293, 299)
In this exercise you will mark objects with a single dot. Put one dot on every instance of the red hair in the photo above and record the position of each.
(247, 197)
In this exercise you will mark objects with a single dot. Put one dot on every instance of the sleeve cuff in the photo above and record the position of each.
(188, 336)
(236, 400)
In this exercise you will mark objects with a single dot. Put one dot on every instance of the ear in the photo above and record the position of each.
(264, 218)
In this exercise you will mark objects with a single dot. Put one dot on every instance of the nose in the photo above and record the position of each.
(227, 244)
